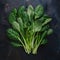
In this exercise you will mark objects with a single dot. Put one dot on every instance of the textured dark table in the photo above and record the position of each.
(51, 51)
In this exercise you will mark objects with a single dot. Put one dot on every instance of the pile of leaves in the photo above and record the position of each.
(29, 28)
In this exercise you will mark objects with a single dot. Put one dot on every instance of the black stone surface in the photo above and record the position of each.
(51, 51)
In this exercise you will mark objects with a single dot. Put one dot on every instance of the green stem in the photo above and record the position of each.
(35, 50)
(23, 38)
(21, 42)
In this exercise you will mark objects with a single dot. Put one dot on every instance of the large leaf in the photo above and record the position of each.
(12, 34)
(39, 11)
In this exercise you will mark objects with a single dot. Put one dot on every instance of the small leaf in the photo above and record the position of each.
(44, 41)
(50, 31)
(39, 10)
(15, 44)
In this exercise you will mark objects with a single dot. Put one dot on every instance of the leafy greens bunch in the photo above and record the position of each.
(30, 27)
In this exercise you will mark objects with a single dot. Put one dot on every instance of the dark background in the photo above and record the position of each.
(50, 51)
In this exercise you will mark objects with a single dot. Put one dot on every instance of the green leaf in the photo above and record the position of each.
(50, 31)
(12, 34)
(43, 35)
(39, 10)
(44, 28)
(16, 26)
(19, 20)
(25, 19)
(43, 18)
(15, 44)
(14, 10)
(37, 26)
(20, 11)
(46, 21)
(30, 11)
(44, 41)
(11, 18)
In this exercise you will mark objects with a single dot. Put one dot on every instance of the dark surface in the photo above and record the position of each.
(51, 51)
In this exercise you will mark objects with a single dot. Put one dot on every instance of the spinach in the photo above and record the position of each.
(30, 27)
